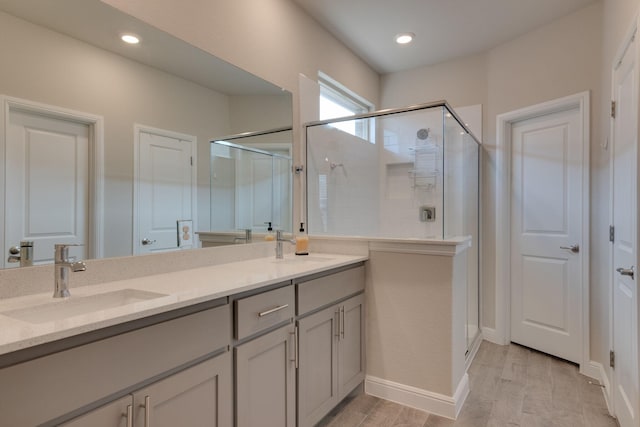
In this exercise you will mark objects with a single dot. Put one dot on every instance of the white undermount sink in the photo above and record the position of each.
(61, 309)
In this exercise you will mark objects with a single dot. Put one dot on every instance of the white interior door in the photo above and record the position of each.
(624, 194)
(165, 189)
(546, 220)
(47, 184)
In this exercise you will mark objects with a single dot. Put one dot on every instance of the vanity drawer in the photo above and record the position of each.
(327, 289)
(261, 311)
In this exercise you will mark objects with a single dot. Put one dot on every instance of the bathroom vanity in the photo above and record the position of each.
(220, 343)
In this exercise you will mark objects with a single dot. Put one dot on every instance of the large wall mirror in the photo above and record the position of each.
(106, 144)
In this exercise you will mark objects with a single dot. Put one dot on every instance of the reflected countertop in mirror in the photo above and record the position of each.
(66, 56)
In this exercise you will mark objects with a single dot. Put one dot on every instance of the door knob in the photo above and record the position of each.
(626, 271)
(146, 242)
(573, 248)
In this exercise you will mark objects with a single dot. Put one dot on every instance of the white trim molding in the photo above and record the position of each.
(449, 247)
(96, 162)
(491, 335)
(425, 400)
(504, 124)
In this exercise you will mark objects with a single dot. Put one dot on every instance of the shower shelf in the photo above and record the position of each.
(425, 172)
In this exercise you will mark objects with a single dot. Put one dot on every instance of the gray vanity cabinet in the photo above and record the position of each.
(181, 356)
(266, 380)
(113, 414)
(331, 342)
(265, 358)
(197, 396)
(317, 374)
(351, 369)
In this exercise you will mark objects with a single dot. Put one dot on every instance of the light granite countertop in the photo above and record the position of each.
(177, 290)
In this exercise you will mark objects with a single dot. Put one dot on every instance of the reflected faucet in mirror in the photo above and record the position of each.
(22, 254)
(247, 237)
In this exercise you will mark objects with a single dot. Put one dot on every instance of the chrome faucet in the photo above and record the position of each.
(279, 241)
(22, 254)
(63, 266)
(246, 238)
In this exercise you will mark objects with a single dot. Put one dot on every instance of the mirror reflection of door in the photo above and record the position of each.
(46, 187)
(165, 188)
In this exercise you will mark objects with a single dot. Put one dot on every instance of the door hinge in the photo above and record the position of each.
(613, 109)
(612, 233)
(612, 359)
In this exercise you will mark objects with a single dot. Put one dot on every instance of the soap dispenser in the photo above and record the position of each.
(302, 242)
(270, 236)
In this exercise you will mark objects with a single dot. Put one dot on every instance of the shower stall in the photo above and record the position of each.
(250, 182)
(407, 174)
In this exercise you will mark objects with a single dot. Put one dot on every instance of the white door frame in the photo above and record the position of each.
(609, 380)
(137, 129)
(503, 216)
(96, 162)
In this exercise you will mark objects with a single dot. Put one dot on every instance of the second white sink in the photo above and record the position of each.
(61, 309)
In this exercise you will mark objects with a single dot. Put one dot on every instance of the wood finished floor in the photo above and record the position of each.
(510, 386)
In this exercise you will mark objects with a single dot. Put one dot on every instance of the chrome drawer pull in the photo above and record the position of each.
(273, 310)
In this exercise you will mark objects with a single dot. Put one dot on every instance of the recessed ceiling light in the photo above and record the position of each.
(130, 38)
(404, 38)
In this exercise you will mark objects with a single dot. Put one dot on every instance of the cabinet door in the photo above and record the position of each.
(351, 345)
(265, 380)
(113, 414)
(198, 396)
(317, 371)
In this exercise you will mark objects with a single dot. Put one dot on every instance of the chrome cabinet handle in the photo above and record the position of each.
(294, 334)
(573, 248)
(129, 415)
(626, 271)
(147, 411)
(342, 322)
(273, 310)
(146, 242)
(337, 314)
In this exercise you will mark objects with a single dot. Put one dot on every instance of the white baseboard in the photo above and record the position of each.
(592, 370)
(491, 335)
(428, 401)
(604, 380)
(475, 346)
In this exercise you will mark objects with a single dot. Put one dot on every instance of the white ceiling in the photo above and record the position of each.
(444, 29)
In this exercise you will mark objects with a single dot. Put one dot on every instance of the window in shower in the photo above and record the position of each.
(338, 101)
